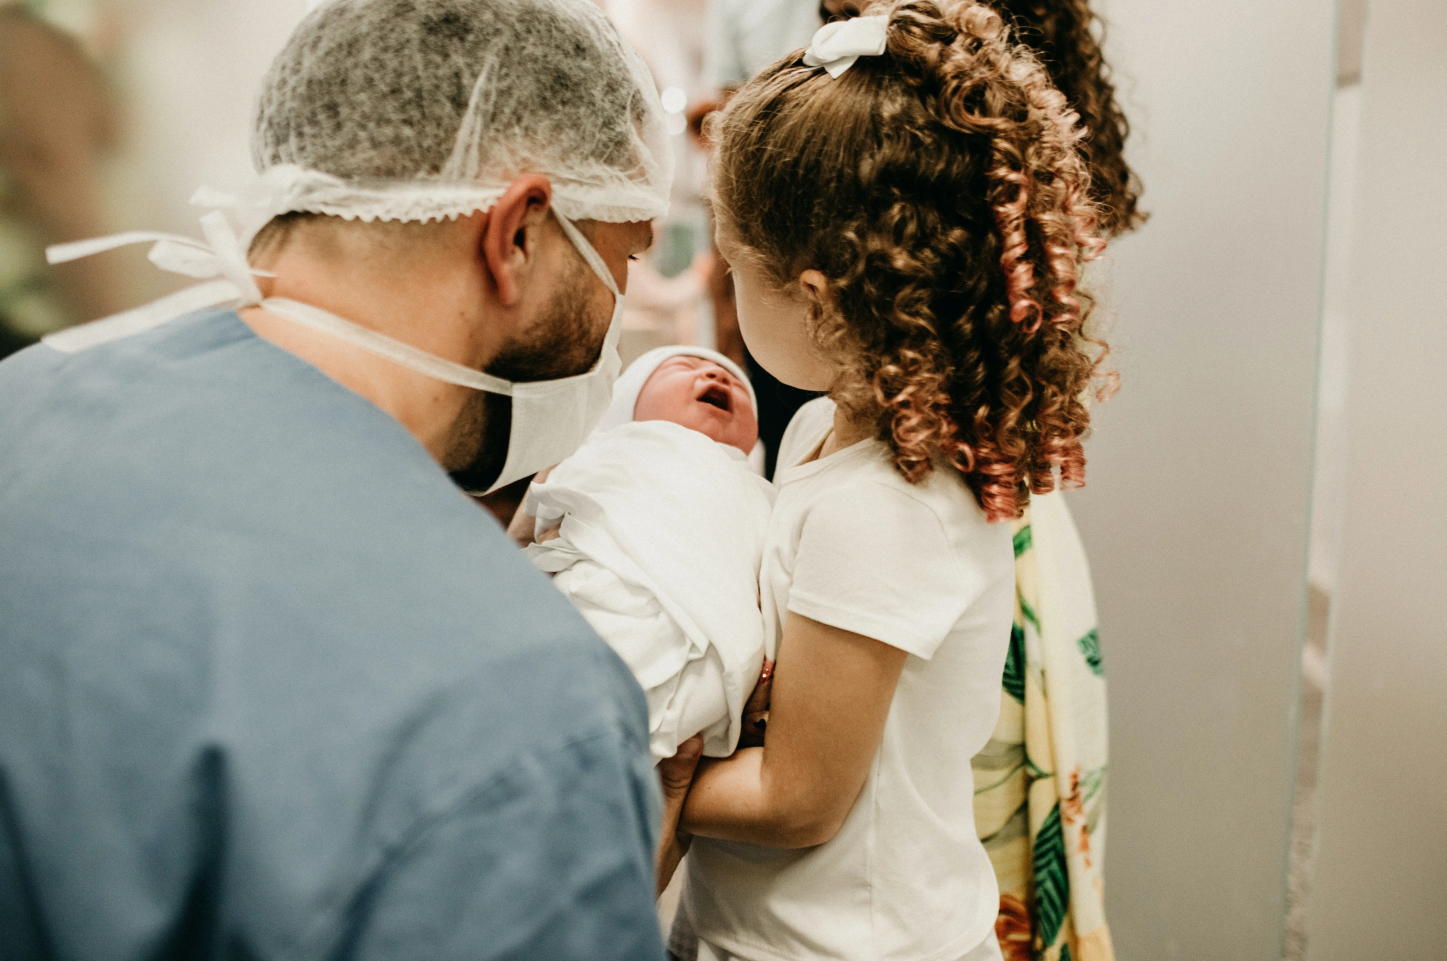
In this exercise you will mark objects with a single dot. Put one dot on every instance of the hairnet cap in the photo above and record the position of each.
(418, 110)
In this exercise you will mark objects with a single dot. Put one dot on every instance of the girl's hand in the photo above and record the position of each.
(756, 710)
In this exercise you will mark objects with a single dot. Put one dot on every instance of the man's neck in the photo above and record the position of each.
(422, 313)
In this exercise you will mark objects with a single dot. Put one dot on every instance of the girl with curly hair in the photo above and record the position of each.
(907, 213)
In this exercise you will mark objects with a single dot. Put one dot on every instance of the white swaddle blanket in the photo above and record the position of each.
(661, 538)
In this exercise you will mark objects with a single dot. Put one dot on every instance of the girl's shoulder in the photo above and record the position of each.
(864, 495)
(862, 482)
(882, 557)
(806, 429)
(943, 493)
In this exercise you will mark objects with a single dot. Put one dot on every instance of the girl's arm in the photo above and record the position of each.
(832, 692)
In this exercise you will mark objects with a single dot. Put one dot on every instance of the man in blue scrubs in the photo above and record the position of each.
(271, 685)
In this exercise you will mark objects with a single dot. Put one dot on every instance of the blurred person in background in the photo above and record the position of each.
(57, 121)
(665, 287)
(745, 36)
(270, 684)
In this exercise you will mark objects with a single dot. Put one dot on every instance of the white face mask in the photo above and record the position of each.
(550, 418)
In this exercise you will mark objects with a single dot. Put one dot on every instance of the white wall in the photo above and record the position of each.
(1331, 398)
(191, 69)
(1198, 500)
(187, 74)
(1381, 885)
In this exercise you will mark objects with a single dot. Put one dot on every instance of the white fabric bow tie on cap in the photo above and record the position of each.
(220, 261)
(837, 45)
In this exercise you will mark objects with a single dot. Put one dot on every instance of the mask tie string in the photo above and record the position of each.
(219, 261)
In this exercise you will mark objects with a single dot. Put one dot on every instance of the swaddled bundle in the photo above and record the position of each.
(662, 533)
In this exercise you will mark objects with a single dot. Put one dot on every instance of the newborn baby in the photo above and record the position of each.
(663, 519)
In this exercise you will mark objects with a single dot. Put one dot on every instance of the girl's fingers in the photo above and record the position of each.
(759, 700)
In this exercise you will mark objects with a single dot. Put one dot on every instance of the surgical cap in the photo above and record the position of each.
(418, 110)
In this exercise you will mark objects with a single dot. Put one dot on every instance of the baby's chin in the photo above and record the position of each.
(723, 434)
(746, 445)
(720, 430)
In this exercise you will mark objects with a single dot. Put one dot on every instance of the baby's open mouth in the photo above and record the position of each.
(718, 396)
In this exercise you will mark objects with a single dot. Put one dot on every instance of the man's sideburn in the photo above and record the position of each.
(558, 345)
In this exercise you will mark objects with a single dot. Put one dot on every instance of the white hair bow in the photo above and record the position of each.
(837, 45)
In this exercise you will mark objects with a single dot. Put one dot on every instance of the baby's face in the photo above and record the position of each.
(700, 395)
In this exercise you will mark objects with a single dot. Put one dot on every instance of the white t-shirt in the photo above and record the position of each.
(854, 545)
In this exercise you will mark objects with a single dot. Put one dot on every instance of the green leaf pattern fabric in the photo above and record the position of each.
(1040, 784)
(1015, 664)
(1051, 901)
(1090, 650)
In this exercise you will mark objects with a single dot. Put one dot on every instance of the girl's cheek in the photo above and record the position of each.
(775, 328)
(766, 341)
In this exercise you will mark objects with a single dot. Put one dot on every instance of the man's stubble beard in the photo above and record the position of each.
(557, 345)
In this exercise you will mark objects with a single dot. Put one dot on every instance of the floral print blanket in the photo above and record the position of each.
(1040, 782)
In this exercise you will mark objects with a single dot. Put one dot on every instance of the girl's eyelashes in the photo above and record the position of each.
(634, 258)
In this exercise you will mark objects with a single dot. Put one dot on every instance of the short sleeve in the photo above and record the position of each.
(875, 560)
(551, 859)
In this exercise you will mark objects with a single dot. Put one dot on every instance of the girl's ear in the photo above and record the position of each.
(814, 286)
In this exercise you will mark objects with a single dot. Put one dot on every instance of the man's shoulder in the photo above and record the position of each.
(248, 516)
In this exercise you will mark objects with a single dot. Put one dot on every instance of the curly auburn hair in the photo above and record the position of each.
(940, 191)
(1060, 32)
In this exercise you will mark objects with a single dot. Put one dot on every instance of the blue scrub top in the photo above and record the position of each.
(272, 687)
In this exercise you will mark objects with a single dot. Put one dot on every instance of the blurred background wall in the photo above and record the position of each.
(1382, 839)
(1196, 514)
(113, 112)
(189, 70)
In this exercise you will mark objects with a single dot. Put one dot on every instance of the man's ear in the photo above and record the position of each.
(510, 238)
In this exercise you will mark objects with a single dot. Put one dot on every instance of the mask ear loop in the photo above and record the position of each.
(588, 253)
(411, 357)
